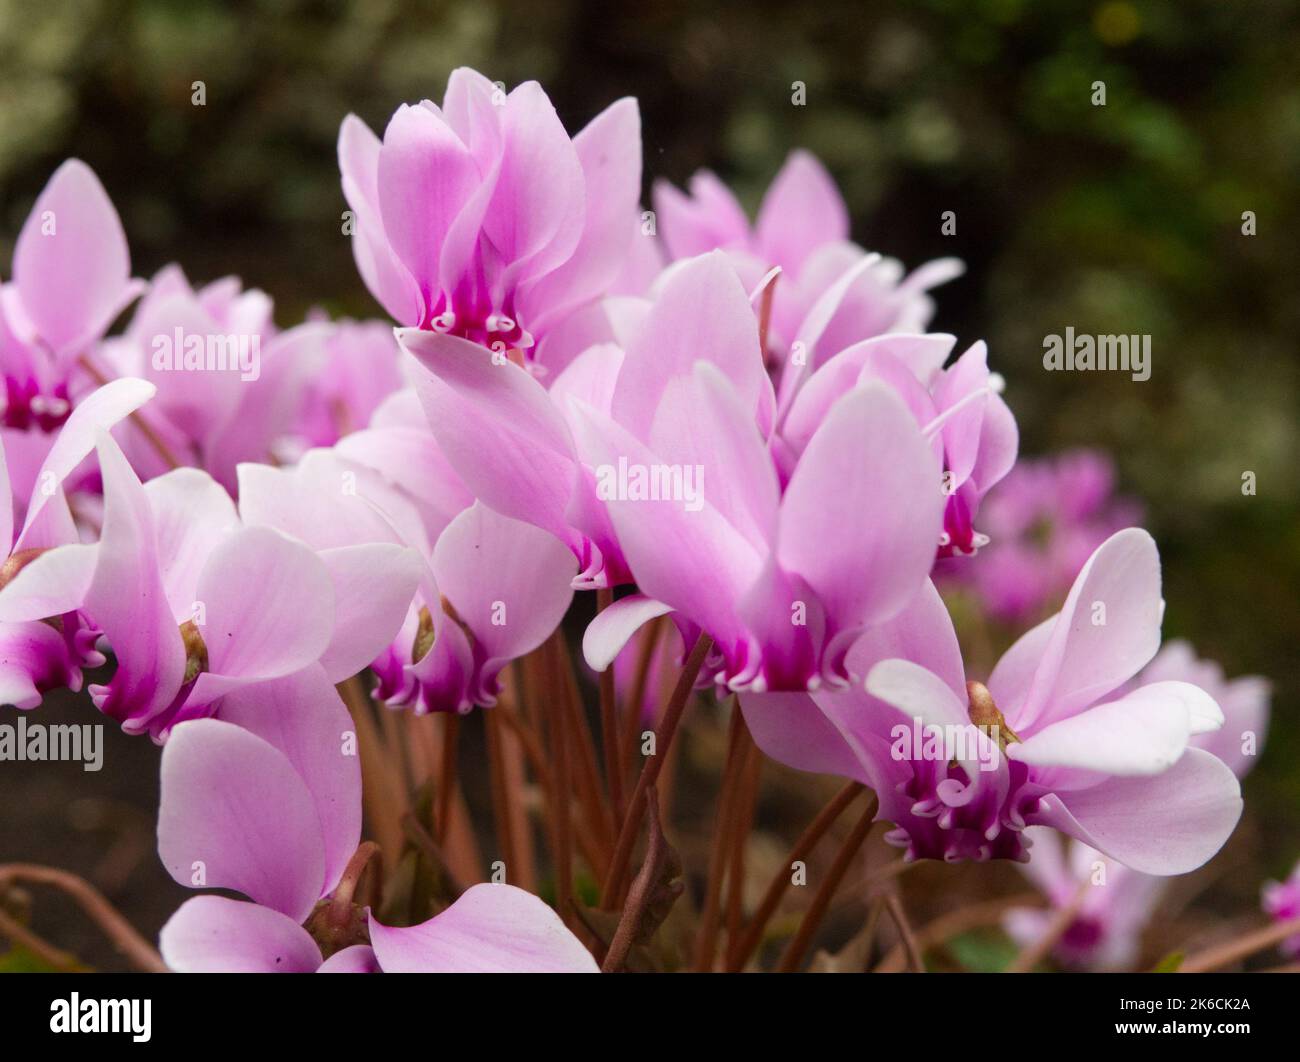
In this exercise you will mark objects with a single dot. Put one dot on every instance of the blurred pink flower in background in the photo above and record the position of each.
(1281, 899)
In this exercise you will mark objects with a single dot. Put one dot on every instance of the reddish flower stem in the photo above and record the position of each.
(143, 955)
(739, 952)
(664, 733)
(794, 952)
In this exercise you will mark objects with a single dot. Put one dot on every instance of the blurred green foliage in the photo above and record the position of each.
(1123, 218)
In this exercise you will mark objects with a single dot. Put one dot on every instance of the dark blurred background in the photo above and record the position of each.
(1125, 218)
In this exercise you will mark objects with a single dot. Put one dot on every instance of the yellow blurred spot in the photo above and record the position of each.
(1116, 22)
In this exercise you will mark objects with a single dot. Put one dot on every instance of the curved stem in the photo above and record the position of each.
(723, 827)
(639, 896)
(910, 946)
(794, 952)
(955, 922)
(1222, 955)
(609, 723)
(613, 886)
(1037, 951)
(341, 899)
(140, 952)
(739, 952)
(19, 934)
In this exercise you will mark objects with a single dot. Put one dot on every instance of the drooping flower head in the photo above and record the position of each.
(489, 588)
(655, 463)
(195, 605)
(481, 218)
(45, 638)
(267, 802)
(1054, 738)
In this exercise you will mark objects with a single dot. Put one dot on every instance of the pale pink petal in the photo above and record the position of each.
(234, 814)
(425, 176)
(213, 934)
(98, 411)
(359, 958)
(917, 693)
(615, 625)
(1168, 823)
(6, 501)
(1144, 732)
(702, 314)
(471, 108)
(304, 718)
(861, 515)
(192, 513)
(696, 562)
(128, 602)
(498, 428)
(71, 263)
(50, 584)
(917, 355)
(793, 730)
(269, 604)
(373, 586)
(609, 151)
(922, 633)
(510, 582)
(591, 377)
(1108, 629)
(490, 929)
(702, 425)
(535, 218)
(801, 210)
(319, 501)
(708, 218)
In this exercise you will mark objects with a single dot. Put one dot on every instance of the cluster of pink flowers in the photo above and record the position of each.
(745, 428)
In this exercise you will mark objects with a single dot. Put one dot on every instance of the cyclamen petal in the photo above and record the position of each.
(509, 583)
(234, 814)
(483, 218)
(490, 929)
(1117, 774)
(214, 934)
(72, 268)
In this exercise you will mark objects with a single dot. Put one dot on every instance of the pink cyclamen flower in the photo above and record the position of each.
(267, 802)
(1106, 932)
(490, 588)
(1281, 900)
(71, 278)
(231, 386)
(359, 369)
(802, 227)
(960, 409)
(482, 218)
(45, 645)
(195, 605)
(1045, 519)
(1053, 739)
(782, 571)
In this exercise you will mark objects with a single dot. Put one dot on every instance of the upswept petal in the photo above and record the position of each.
(234, 814)
(490, 929)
